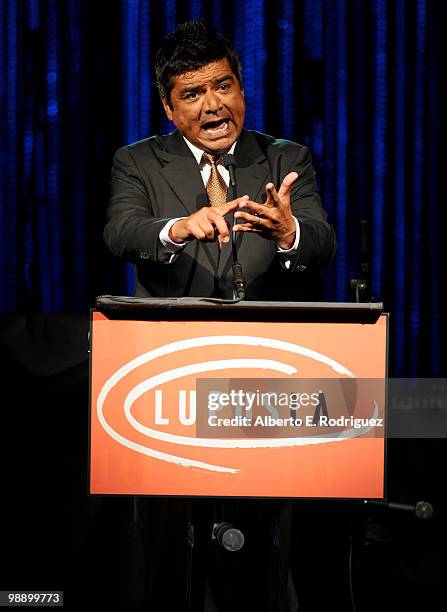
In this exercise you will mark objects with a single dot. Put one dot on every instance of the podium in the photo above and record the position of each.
(256, 399)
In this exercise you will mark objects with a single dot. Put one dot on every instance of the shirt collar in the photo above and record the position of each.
(198, 153)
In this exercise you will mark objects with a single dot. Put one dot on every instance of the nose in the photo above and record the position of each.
(211, 102)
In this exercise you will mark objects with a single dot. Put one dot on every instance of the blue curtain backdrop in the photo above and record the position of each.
(360, 81)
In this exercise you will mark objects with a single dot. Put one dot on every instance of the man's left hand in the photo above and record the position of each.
(273, 219)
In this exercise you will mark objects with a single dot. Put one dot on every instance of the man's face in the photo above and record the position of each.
(208, 106)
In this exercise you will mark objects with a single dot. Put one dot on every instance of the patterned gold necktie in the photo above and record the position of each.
(216, 186)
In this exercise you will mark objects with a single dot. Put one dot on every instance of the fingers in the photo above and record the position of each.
(198, 228)
(277, 198)
(216, 216)
(272, 220)
(207, 223)
(207, 226)
(247, 227)
(222, 229)
(272, 195)
(233, 205)
(254, 207)
(248, 217)
(287, 183)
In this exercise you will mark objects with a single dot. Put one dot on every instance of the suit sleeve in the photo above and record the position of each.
(317, 243)
(132, 230)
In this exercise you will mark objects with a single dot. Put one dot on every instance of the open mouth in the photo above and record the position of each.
(216, 128)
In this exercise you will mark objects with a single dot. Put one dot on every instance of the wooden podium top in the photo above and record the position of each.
(186, 308)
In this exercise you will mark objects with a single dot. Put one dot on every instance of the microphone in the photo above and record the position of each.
(229, 161)
(228, 537)
(422, 509)
(361, 285)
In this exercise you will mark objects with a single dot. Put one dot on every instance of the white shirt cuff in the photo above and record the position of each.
(295, 245)
(169, 244)
(171, 248)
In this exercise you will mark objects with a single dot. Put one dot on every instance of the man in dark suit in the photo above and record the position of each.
(171, 215)
(159, 214)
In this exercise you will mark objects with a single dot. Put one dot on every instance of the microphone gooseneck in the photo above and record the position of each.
(229, 161)
(421, 509)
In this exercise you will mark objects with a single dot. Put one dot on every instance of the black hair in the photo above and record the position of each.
(190, 46)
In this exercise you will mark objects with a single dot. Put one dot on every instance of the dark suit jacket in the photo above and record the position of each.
(158, 179)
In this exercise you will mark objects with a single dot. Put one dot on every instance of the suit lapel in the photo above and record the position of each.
(183, 175)
(252, 167)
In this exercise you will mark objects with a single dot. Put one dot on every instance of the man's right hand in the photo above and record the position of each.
(206, 224)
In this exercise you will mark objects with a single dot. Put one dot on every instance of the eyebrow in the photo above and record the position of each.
(226, 77)
(192, 89)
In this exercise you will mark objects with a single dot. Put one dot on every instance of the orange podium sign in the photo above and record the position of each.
(218, 408)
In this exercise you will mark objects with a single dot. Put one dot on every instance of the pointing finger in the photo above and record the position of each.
(222, 229)
(233, 205)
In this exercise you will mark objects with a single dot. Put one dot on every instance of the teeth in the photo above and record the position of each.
(219, 129)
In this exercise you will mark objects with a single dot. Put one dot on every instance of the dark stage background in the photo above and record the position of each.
(363, 83)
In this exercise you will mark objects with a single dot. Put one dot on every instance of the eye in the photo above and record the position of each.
(224, 86)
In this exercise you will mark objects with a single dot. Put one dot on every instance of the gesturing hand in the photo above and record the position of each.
(206, 224)
(273, 219)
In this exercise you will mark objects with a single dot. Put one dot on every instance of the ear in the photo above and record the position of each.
(167, 108)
